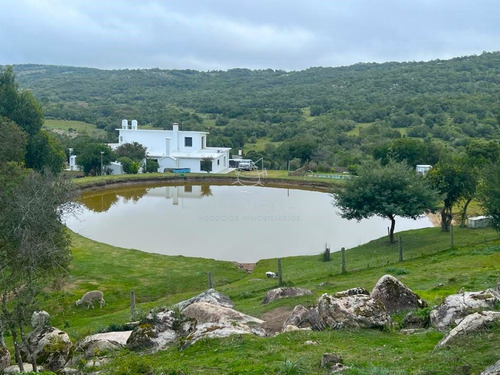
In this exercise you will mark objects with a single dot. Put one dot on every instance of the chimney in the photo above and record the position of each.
(134, 124)
(175, 127)
(124, 124)
(175, 137)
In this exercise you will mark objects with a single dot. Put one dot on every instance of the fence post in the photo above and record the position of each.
(132, 304)
(280, 273)
(400, 246)
(342, 253)
(210, 281)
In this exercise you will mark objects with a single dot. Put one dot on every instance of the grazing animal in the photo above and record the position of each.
(90, 297)
(271, 275)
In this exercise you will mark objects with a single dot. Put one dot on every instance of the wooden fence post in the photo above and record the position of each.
(280, 273)
(210, 281)
(342, 253)
(132, 305)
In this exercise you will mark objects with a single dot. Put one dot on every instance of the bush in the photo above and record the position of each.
(129, 166)
(151, 166)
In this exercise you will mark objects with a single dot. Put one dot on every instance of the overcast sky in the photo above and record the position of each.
(256, 34)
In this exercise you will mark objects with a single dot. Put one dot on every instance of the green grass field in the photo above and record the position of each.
(74, 128)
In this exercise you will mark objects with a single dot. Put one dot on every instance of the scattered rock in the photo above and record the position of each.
(159, 330)
(204, 312)
(4, 358)
(330, 359)
(456, 306)
(98, 345)
(311, 342)
(210, 296)
(469, 324)
(40, 320)
(395, 295)
(284, 292)
(298, 318)
(14, 369)
(291, 328)
(354, 311)
(492, 370)
(217, 330)
(50, 346)
(70, 371)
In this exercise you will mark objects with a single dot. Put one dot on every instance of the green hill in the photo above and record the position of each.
(333, 116)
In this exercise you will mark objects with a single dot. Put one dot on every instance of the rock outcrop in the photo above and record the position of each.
(4, 358)
(48, 345)
(350, 310)
(469, 324)
(159, 330)
(395, 295)
(492, 370)
(457, 306)
(210, 296)
(285, 292)
(355, 311)
(97, 346)
(204, 312)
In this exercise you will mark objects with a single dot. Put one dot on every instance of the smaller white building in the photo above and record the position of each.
(174, 148)
(423, 168)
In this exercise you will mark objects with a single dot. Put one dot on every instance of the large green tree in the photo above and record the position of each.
(90, 156)
(12, 142)
(387, 191)
(22, 108)
(456, 181)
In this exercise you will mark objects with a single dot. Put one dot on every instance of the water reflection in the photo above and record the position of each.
(102, 201)
(241, 223)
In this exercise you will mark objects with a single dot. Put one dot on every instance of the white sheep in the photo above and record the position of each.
(90, 297)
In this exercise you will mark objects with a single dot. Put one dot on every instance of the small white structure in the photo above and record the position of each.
(423, 168)
(479, 222)
(174, 148)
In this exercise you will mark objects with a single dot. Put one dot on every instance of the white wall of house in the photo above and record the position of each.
(174, 148)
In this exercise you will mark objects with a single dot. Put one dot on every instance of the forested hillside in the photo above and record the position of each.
(332, 116)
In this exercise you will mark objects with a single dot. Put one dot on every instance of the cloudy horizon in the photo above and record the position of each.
(223, 34)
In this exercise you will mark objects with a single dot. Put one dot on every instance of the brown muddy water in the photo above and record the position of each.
(224, 222)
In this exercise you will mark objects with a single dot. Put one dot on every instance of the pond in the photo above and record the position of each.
(235, 223)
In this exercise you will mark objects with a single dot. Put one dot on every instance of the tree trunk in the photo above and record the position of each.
(28, 347)
(2, 341)
(446, 218)
(393, 226)
(464, 213)
(17, 350)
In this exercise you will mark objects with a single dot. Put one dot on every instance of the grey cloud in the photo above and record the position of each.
(223, 34)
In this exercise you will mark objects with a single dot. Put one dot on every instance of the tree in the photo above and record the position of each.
(34, 243)
(134, 151)
(12, 142)
(129, 166)
(489, 193)
(89, 157)
(455, 180)
(206, 164)
(387, 191)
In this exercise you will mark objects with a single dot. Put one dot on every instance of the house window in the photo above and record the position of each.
(121, 138)
(218, 161)
(188, 141)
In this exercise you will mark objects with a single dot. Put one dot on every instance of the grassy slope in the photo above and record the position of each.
(158, 280)
(163, 280)
(73, 128)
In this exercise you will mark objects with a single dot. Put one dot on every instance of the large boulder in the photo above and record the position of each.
(99, 345)
(457, 306)
(298, 318)
(493, 369)
(284, 292)
(4, 358)
(395, 295)
(471, 323)
(218, 330)
(354, 311)
(50, 346)
(159, 330)
(210, 296)
(204, 312)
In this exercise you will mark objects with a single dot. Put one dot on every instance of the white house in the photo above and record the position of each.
(174, 148)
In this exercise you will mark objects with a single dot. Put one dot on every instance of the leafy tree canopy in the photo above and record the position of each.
(387, 191)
